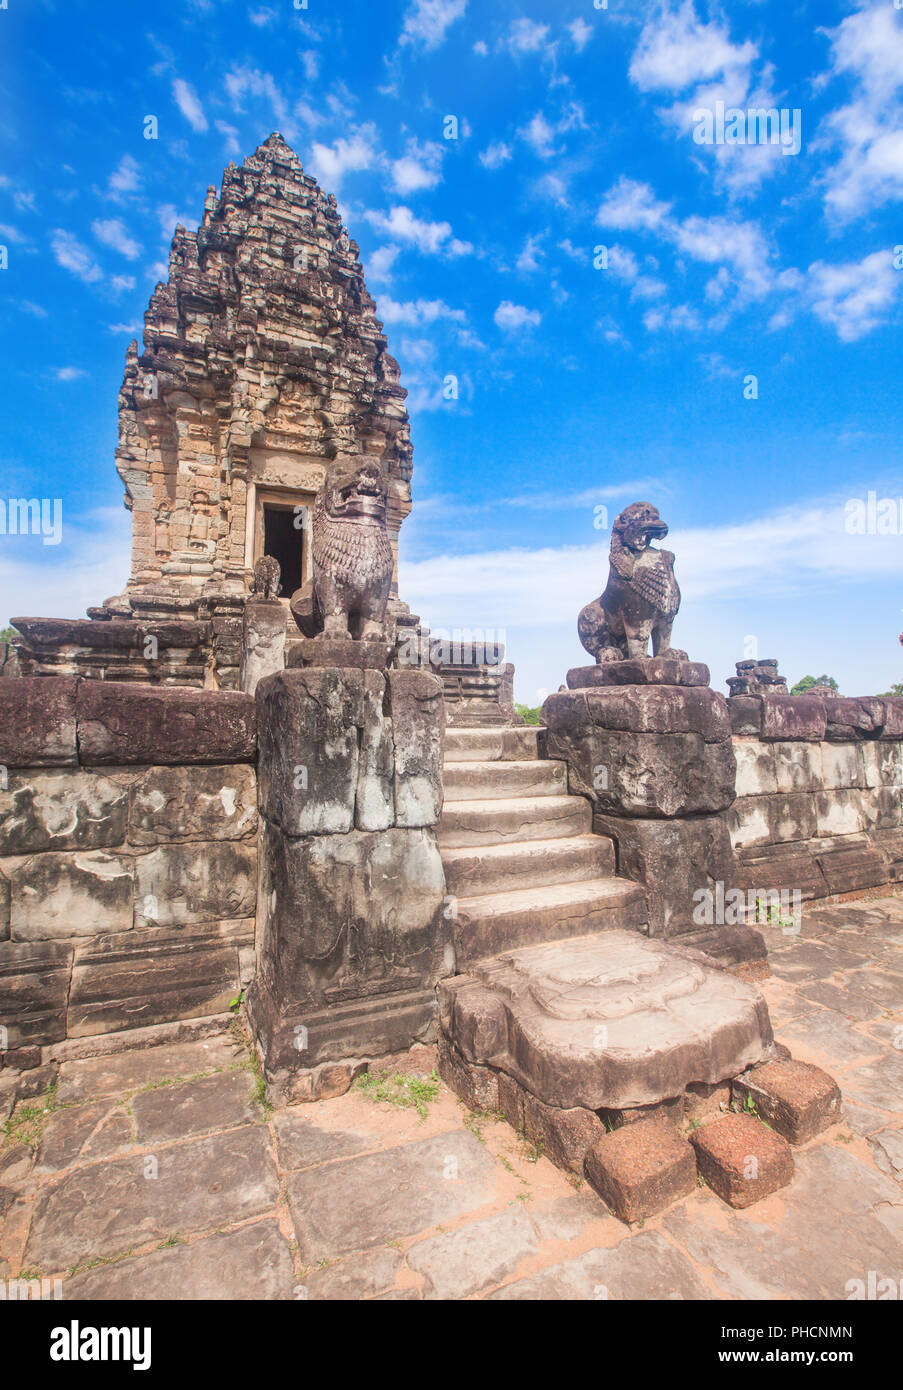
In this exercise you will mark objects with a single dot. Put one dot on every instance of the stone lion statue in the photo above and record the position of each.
(352, 557)
(266, 577)
(641, 599)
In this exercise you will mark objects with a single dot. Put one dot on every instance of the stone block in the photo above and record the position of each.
(840, 812)
(262, 642)
(741, 1159)
(4, 907)
(843, 766)
(652, 751)
(148, 977)
(883, 763)
(854, 717)
(417, 709)
(790, 866)
(171, 804)
(674, 860)
(127, 723)
(746, 713)
(374, 798)
(53, 896)
(181, 883)
(34, 989)
(37, 722)
(649, 670)
(796, 1099)
(61, 810)
(478, 1087)
(762, 820)
(641, 1169)
(792, 717)
(755, 768)
(849, 863)
(563, 1136)
(798, 766)
(893, 717)
(310, 757)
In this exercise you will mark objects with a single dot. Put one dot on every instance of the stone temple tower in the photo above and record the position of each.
(263, 366)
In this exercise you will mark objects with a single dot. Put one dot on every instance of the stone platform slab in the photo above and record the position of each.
(608, 1021)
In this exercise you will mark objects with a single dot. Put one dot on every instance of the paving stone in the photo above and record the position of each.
(361, 1202)
(195, 1107)
(641, 1169)
(741, 1159)
(828, 1037)
(645, 1266)
(109, 1207)
(252, 1263)
(797, 1100)
(462, 1262)
(115, 1075)
(808, 960)
(888, 1150)
(877, 1083)
(861, 1120)
(885, 987)
(361, 1276)
(843, 1001)
(82, 1132)
(567, 1217)
(302, 1144)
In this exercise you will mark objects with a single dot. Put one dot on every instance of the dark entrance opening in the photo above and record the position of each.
(283, 540)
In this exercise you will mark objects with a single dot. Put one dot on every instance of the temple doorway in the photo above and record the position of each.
(283, 539)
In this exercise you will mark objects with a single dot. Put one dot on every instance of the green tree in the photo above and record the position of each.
(808, 681)
(896, 689)
(7, 634)
(529, 713)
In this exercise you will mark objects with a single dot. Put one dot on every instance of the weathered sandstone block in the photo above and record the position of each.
(62, 895)
(796, 1099)
(656, 751)
(262, 642)
(61, 810)
(182, 883)
(798, 766)
(193, 803)
(676, 860)
(756, 775)
(741, 1159)
(763, 820)
(130, 723)
(34, 988)
(854, 717)
(843, 766)
(787, 717)
(415, 706)
(4, 907)
(37, 722)
(641, 1169)
(648, 670)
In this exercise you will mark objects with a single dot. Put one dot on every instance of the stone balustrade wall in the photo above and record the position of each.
(819, 805)
(128, 858)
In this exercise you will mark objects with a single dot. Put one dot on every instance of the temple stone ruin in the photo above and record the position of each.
(255, 780)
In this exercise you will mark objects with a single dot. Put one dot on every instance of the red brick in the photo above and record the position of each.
(741, 1159)
(641, 1169)
(798, 1100)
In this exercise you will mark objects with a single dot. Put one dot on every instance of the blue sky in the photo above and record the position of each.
(581, 387)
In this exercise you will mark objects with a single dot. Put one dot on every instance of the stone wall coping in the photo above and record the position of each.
(72, 721)
(815, 718)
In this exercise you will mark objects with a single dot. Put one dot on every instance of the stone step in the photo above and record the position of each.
(485, 781)
(503, 822)
(472, 871)
(484, 744)
(498, 922)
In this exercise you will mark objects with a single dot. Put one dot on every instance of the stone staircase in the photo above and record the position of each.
(519, 853)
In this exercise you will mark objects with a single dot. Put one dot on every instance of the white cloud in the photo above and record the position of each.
(245, 81)
(495, 155)
(311, 60)
(430, 238)
(262, 17)
(113, 233)
(126, 178)
(580, 33)
(867, 48)
(529, 258)
(630, 205)
(379, 265)
(427, 21)
(122, 282)
(481, 48)
(69, 253)
(230, 132)
(91, 561)
(169, 218)
(417, 313)
(330, 163)
(511, 318)
(186, 99)
(133, 330)
(70, 373)
(856, 297)
(10, 233)
(419, 167)
(527, 36)
(540, 135)
(677, 50)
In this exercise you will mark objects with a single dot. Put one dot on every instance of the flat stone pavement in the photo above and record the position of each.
(156, 1174)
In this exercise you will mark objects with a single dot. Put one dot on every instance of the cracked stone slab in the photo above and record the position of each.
(888, 1150)
(93, 1077)
(828, 1038)
(361, 1202)
(82, 1133)
(877, 1083)
(606, 1021)
(644, 1266)
(302, 1144)
(361, 1276)
(111, 1207)
(465, 1261)
(178, 1112)
(254, 1262)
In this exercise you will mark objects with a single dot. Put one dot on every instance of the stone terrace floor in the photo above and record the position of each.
(158, 1175)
